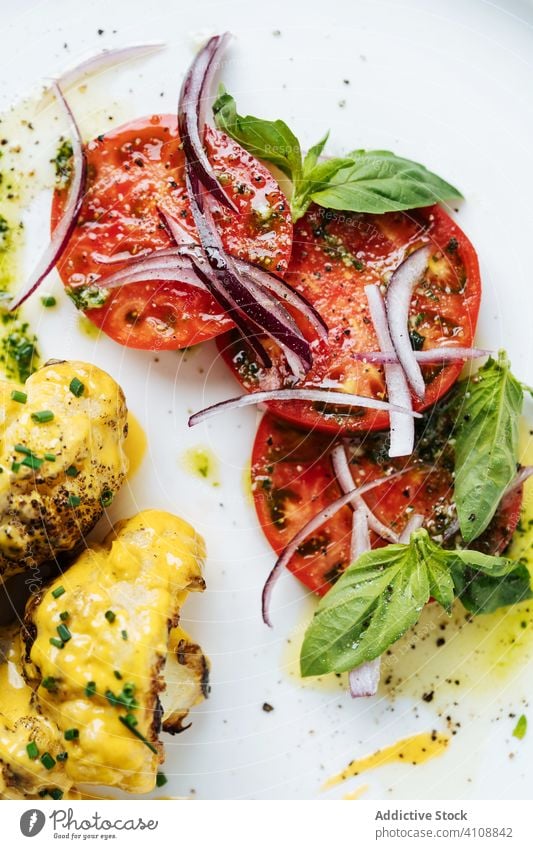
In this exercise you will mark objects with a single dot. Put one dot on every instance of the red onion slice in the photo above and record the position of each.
(364, 679)
(311, 526)
(321, 396)
(414, 524)
(191, 114)
(430, 355)
(71, 211)
(258, 308)
(402, 431)
(521, 477)
(360, 536)
(165, 265)
(399, 295)
(341, 467)
(107, 59)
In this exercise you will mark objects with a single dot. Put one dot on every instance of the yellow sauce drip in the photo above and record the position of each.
(135, 445)
(202, 463)
(357, 793)
(86, 327)
(412, 750)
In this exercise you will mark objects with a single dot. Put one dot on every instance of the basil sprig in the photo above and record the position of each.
(382, 594)
(486, 444)
(363, 181)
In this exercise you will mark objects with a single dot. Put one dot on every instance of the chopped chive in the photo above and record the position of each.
(117, 675)
(32, 750)
(90, 688)
(131, 720)
(49, 683)
(64, 615)
(106, 498)
(58, 592)
(15, 467)
(50, 457)
(112, 699)
(32, 462)
(59, 644)
(62, 756)
(48, 301)
(19, 397)
(55, 792)
(76, 387)
(64, 633)
(126, 720)
(73, 501)
(110, 616)
(42, 416)
(124, 635)
(71, 734)
(21, 449)
(161, 779)
(72, 472)
(48, 761)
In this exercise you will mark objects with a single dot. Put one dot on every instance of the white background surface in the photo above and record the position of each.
(448, 85)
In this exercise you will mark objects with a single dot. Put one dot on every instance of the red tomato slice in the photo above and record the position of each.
(293, 480)
(132, 171)
(335, 255)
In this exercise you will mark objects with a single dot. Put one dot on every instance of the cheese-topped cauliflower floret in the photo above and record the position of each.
(98, 639)
(61, 460)
(31, 747)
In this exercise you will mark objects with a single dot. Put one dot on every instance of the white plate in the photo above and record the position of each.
(448, 85)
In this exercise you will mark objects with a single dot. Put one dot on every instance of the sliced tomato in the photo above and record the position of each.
(134, 170)
(293, 481)
(335, 255)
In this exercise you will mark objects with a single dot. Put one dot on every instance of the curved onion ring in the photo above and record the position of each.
(107, 59)
(71, 211)
(414, 524)
(402, 431)
(311, 526)
(321, 396)
(398, 299)
(191, 115)
(343, 474)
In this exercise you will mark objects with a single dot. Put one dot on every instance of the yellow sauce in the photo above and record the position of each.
(202, 463)
(135, 445)
(411, 750)
(463, 654)
(357, 793)
(86, 327)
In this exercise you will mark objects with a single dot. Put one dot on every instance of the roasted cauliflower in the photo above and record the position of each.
(61, 460)
(97, 640)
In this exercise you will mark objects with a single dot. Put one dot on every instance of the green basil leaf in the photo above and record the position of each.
(378, 182)
(486, 445)
(313, 180)
(313, 155)
(372, 604)
(436, 561)
(484, 593)
(271, 141)
(382, 594)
